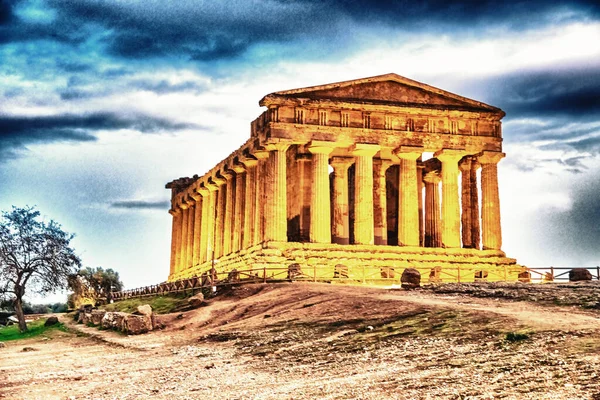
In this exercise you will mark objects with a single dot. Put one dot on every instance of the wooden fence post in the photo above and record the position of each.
(264, 274)
(598, 273)
(363, 274)
(315, 272)
(458, 273)
(552, 273)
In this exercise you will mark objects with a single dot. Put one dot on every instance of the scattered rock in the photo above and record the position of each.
(96, 316)
(197, 300)
(294, 271)
(26, 349)
(53, 320)
(180, 316)
(411, 278)
(136, 324)
(113, 320)
(579, 274)
(2, 345)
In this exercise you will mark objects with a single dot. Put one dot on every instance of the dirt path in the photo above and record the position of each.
(306, 341)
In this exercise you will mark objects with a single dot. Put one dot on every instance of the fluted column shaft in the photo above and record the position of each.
(197, 229)
(220, 216)
(175, 237)
(260, 195)
(470, 206)
(420, 187)
(190, 233)
(432, 210)
(320, 206)
(364, 225)
(380, 167)
(341, 216)
(408, 212)
(276, 214)
(183, 243)
(205, 225)
(490, 200)
(239, 208)
(475, 216)
(228, 217)
(450, 201)
(249, 201)
(212, 216)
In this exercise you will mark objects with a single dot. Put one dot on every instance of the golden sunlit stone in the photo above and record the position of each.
(334, 174)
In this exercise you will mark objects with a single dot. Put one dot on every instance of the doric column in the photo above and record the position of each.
(320, 206)
(305, 172)
(211, 218)
(175, 237)
(197, 228)
(450, 201)
(420, 187)
(261, 198)
(364, 232)
(380, 167)
(189, 255)
(183, 243)
(432, 210)
(340, 226)
(475, 216)
(207, 217)
(276, 213)
(408, 211)
(228, 217)
(220, 215)
(490, 200)
(239, 209)
(249, 202)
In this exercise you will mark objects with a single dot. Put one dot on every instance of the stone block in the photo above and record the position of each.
(579, 274)
(411, 278)
(136, 324)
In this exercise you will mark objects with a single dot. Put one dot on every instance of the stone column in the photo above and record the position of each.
(175, 237)
(320, 206)
(408, 211)
(211, 217)
(364, 231)
(490, 200)
(197, 229)
(420, 187)
(220, 215)
(276, 213)
(305, 172)
(189, 255)
(207, 217)
(340, 222)
(249, 202)
(450, 201)
(432, 210)
(239, 209)
(380, 167)
(261, 199)
(475, 217)
(182, 259)
(228, 216)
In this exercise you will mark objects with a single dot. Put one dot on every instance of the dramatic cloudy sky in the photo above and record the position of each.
(103, 102)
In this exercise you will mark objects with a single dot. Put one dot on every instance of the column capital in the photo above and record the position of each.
(465, 163)
(238, 168)
(190, 201)
(408, 152)
(183, 205)
(432, 177)
(202, 190)
(383, 164)
(226, 174)
(249, 162)
(490, 157)
(212, 187)
(364, 149)
(195, 195)
(320, 147)
(449, 155)
(174, 211)
(341, 163)
(278, 146)
(261, 154)
(219, 181)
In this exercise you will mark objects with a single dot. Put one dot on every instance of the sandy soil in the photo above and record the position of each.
(307, 341)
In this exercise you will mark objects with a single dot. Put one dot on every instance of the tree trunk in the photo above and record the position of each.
(20, 315)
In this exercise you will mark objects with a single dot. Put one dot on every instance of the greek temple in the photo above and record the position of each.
(357, 179)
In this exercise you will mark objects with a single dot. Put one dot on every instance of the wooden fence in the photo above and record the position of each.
(342, 274)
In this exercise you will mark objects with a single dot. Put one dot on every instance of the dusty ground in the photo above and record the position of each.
(307, 341)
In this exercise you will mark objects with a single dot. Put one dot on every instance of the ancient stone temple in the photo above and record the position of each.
(356, 180)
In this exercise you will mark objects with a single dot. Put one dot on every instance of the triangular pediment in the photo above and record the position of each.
(390, 89)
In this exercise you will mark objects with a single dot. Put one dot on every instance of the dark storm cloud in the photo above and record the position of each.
(141, 204)
(163, 87)
(16, 132)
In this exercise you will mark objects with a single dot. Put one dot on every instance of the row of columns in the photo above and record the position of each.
(247, 203)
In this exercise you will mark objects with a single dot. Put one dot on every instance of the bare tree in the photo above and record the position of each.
(34, 256)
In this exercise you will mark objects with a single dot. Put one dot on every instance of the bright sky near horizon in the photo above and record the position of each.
(103, 102)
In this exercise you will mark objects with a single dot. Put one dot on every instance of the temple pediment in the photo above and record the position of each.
(389, 89)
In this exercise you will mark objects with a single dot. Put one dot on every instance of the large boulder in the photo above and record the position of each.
(113, 320)
(579, 274)
(411, 278)
(53, 320)
(86, 318)
(97, 316)
(146, 311)
(196, 300)
(136, 324)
